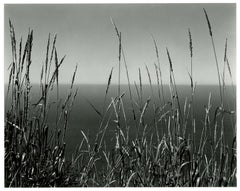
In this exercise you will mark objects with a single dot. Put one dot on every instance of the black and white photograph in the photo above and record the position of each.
(119, 95)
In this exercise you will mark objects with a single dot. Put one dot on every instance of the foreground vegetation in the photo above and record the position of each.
(170, 156)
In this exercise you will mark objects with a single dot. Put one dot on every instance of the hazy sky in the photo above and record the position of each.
(87, 37)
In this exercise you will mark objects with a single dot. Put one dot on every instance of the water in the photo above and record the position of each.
(84, 118)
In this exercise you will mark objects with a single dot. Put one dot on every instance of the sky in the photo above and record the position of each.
(87, 37)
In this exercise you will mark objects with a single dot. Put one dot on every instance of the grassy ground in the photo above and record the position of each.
(35, 152)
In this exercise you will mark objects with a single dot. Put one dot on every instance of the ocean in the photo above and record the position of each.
(84, 118)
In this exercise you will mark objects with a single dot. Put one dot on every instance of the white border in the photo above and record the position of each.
(106, 1)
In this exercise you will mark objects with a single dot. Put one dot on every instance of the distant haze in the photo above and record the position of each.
(87, 37)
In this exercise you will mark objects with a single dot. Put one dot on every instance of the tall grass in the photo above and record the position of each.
(165, 151)
(34, 156)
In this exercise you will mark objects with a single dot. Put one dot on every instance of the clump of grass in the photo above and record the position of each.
(174, 158)
(33, 156)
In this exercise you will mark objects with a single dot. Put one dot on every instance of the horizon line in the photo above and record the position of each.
(67, 83)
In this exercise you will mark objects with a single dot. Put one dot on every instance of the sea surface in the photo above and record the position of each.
(84, 118)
